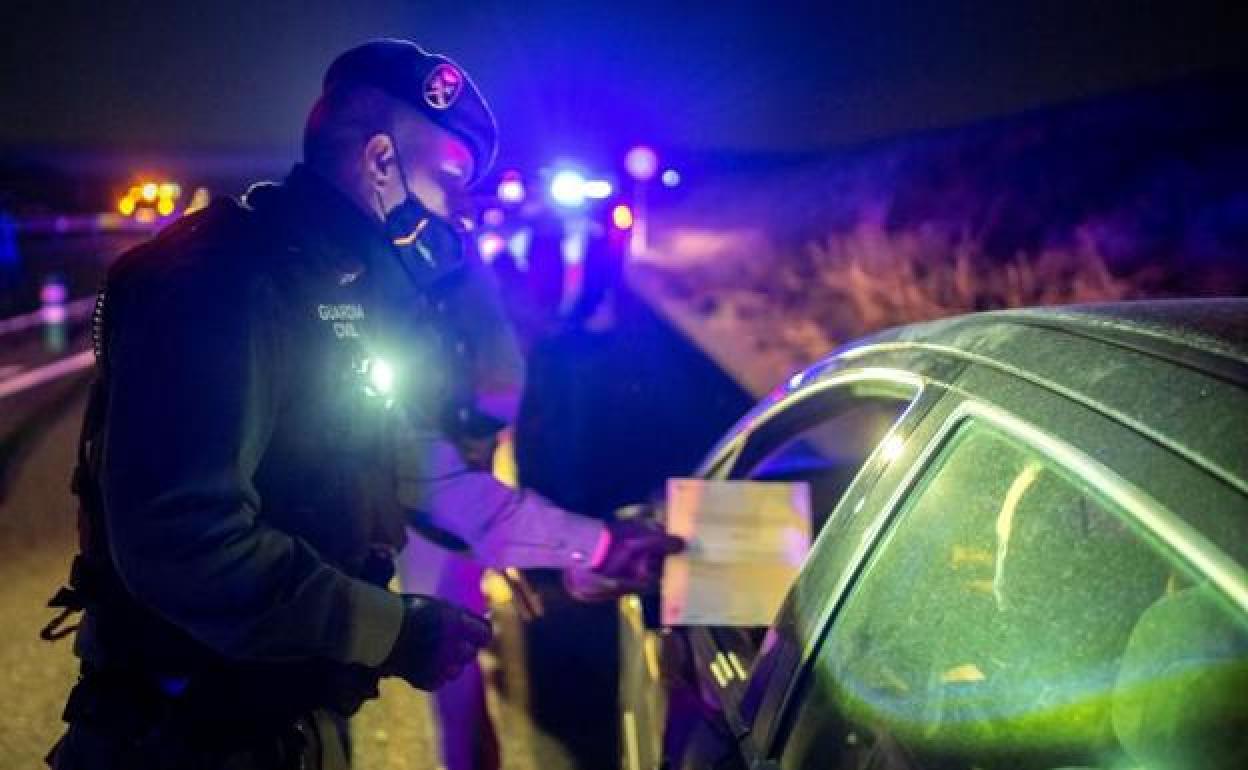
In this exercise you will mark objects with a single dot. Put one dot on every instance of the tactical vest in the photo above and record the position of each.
(126, 631)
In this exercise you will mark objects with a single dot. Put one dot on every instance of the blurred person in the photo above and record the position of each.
(269, 372)
(445, 482)
(603, 265)
(547, 270)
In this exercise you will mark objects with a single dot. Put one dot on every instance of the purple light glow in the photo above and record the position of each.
(641, 163)
(511, 188)
(491, 245)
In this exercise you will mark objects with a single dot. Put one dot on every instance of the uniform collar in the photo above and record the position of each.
(325, 223)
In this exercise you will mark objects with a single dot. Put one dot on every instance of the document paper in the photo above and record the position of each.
(746, 542)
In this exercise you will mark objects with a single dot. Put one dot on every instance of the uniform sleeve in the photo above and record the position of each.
(499, 365)
(193, 393)
(505, 527)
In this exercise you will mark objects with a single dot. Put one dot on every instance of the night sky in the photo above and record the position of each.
(587, 78)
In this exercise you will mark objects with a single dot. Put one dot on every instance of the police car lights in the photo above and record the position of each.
(641, 162)
(490, 246)
(141, 200)
(622, 216)
(511, 188)
(567, 188)
(597, 189)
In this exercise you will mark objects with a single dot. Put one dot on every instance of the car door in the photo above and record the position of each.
(832, 436)
(1045, 587)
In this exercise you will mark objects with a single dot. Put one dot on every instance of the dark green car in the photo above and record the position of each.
(1032, 532)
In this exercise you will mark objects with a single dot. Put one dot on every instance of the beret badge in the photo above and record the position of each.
(442, 86)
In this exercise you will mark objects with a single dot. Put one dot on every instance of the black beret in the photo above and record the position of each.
(430, 82)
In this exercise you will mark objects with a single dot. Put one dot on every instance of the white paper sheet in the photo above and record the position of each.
(747, 540)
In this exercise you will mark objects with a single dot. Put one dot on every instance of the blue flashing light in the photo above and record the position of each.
(567, 188)
(597, 189)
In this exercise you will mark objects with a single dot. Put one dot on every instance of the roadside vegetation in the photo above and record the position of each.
(1133, 197)
(769, 311)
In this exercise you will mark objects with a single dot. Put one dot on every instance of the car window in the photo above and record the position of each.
(1015, 618)
(823, 439)
(828, 453)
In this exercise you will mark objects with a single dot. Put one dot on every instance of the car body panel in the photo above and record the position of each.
(1149, 399)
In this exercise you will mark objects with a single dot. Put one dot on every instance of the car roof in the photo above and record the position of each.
(1176, 370)
(1206, 334)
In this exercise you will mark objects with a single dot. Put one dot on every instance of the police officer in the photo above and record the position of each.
(237, 474)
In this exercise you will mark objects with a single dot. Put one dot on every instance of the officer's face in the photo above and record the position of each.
(437, 166)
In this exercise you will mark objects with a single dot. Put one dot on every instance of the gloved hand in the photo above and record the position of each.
(632, 562)
(635, 553)
(436, 641)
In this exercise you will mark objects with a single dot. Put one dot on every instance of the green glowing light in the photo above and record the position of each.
(381, 375)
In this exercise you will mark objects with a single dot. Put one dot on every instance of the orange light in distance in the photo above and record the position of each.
(622, 216)
(126, 205)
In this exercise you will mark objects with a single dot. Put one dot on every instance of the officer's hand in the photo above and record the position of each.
(435, 643)
(635, 553)
(632, 562)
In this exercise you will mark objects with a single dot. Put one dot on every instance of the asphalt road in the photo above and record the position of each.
(36, 539)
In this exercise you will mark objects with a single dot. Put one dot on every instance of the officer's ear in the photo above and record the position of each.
(380, 163)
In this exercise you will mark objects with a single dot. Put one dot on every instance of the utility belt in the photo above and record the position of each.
(143, 672)
(232, 706)
(163, 723)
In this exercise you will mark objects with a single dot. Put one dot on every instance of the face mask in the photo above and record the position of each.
(428, 245)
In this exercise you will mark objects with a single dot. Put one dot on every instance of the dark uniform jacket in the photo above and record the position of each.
(242, 452)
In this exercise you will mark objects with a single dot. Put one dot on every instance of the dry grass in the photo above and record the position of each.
(884, 279)
(806, 299)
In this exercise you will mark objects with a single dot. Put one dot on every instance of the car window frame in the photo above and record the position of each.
(917, 378)
(775, 424)
(917, 428)
(1167, 529)
(772, 428)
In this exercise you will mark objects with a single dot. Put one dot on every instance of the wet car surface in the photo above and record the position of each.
(1032, 532)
